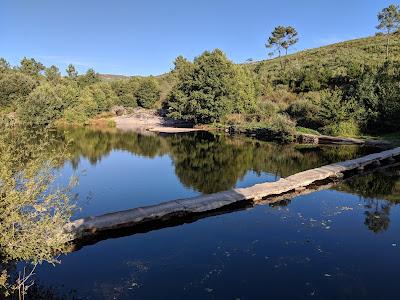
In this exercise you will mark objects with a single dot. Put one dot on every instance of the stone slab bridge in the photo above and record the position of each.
(142, 219)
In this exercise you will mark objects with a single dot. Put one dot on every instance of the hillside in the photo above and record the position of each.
(339, 58)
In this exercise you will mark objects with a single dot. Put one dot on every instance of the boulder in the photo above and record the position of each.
(118, 110)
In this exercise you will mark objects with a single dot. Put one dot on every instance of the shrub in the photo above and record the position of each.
(125, 91)
(347, 128)
(305, 113)
(91, 77)
(14, 87)
(42, 106)
(246, 91)
(283, 127)
(103, 96)
(148, 92)
(33, 209)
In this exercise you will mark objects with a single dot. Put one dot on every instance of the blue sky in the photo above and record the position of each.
(144, 37)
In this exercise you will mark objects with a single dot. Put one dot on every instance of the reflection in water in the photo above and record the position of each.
(230, 255)
(205, 161)
(380, 191)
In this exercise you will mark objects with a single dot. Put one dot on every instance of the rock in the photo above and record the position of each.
(118, 110)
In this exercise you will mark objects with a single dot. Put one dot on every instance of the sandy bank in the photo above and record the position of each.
(144, 120)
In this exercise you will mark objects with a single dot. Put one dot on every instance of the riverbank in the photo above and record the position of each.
(146, 120)
(141, 120)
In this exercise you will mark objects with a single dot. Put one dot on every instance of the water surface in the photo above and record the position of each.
(341, 243)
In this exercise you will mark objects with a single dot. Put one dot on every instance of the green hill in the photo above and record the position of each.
(339, 60)
(332, 63)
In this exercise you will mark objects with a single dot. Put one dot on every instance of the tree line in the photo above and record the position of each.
(35, 95)
(356, 95)
(359, 96)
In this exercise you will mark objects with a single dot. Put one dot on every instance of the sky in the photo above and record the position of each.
(131, 37)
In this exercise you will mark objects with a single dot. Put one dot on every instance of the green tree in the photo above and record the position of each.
(42, 106)
(209, 88)
(4, 65)
(14, 87)
(71, 71)
(389, 22)
(31, 67)
(282, 38)
(89, 78)
(148, 92)
(125, 91)
(53, 74)
(103, 96)
(388, 90)
(340, 115)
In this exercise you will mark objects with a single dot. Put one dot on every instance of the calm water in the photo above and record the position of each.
(334, 244)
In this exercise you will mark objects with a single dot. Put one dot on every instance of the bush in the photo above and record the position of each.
(14, 87)
(263, 112)
(348, 128)
(281, 96)
(305, 113)
(283, 127)
(42, 106)
(91, 77)
(125, 91)
(103, 96)
(147, 93)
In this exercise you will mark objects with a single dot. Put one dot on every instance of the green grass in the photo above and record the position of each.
(307, 130)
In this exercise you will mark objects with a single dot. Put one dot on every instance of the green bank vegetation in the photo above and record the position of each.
(31, 94)
(347, 89)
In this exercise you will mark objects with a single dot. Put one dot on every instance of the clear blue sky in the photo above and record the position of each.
(144, 37)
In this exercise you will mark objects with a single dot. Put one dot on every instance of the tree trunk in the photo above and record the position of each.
(387, 47)
(280, 58)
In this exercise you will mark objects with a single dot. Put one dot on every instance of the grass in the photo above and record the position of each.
(307, 130)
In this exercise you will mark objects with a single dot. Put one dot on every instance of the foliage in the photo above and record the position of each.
(305, 112)
(147, 93)
(4, 65)
(33, 210)
(53, 74)
(209, 88)
(338, 115)
(90, 77)
(71, 71)
(42, 106)
(389, 21)
(125, 91)
(103, 96)
(15, 87)
(282, 38)
(31, 67)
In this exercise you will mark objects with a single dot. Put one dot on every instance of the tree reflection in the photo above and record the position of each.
(377, 215)
(204, 161)
(380, 191)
